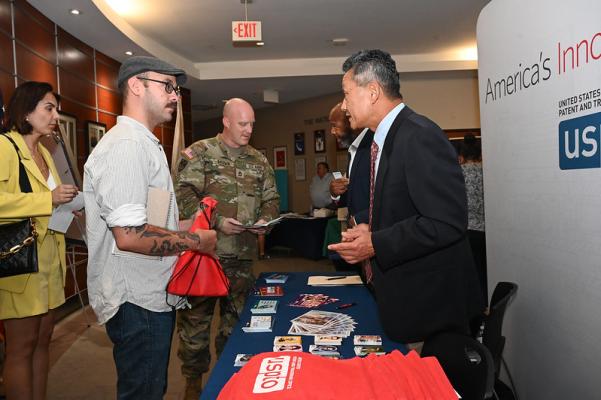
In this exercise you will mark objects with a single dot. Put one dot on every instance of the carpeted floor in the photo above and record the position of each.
(81, 353)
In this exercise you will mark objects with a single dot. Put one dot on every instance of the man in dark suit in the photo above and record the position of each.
(414, 247)
(352, 192)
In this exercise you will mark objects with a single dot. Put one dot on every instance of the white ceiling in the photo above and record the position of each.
(298, 58)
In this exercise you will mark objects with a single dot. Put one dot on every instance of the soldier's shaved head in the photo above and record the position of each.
(238, 122)
(235, 105)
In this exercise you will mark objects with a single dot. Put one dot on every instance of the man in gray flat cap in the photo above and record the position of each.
(129, 259)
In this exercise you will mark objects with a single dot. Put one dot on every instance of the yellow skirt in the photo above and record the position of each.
(45, 289)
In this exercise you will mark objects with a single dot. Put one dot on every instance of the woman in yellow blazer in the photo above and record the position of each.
(27, 301)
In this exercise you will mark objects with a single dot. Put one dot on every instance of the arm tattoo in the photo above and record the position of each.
(166, 247)
(134, 229)
(164, 242)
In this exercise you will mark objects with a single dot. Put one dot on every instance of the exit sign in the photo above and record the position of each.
(246, 31)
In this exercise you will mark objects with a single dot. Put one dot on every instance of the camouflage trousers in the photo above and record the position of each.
(194, 325)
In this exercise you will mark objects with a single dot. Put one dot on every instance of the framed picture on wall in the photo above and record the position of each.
(300, 169)
(319, 159)
(319, 138)
(279, 157)
(299, 143)
(67, 125)
(94, 132)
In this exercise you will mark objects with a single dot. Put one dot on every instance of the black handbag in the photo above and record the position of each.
(18, 248)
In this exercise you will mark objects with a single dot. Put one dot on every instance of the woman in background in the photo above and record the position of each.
(470, 157)
(27, 301)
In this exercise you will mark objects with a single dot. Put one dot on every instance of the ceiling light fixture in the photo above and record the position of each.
(340, 41)
(469, 53)
(74, 11)
(129, 53)
(260, 44)
(125, 7)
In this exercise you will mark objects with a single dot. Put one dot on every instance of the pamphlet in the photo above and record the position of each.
(276, 278)
(287, 340)
(287, 347)
(259, 323)
(264, 225)
(367, 340)
(269, 291)
(264, 307)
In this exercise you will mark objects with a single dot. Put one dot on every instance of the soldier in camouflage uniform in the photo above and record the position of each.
(242, 181)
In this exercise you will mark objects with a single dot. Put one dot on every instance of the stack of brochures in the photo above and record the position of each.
(328, 339)
(276, 278)
(259, 323)
(368, 344)
(269, 291)
(326, 350)
(264, 307)
(287, 343)
(312, 300)
(317, 322)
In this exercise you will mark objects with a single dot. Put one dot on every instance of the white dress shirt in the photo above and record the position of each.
(126, 162)
(382, 131)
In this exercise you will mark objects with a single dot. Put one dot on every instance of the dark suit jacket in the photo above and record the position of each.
(424, 275)
(356, 198)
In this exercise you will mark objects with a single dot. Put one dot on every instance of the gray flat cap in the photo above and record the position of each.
(138, 64)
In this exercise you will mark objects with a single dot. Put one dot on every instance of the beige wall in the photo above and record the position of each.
(450, 99)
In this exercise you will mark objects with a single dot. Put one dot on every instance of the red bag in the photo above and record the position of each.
(198, 274)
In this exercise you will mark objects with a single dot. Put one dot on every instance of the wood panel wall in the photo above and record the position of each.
(32, 47)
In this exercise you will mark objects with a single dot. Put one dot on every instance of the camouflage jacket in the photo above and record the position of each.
(244, 187)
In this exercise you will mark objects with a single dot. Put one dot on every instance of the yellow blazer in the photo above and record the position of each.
(15, 206)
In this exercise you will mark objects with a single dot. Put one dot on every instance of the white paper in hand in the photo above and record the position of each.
(63, 215)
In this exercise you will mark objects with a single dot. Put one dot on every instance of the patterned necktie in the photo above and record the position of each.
(372, 184)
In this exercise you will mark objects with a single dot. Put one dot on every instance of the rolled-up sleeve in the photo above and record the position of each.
(122, 187)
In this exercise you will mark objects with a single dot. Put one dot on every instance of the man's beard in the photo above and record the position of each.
(346, 140)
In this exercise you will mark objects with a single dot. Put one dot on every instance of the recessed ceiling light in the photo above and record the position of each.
(260, 44)
(74, 11)
(129, 53)
(340, 41)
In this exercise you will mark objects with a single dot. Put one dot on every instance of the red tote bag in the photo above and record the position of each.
(198, 274)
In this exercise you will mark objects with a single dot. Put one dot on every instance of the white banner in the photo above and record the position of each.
(540, 104)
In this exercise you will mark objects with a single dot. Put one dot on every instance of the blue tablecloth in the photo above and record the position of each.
(364, 313)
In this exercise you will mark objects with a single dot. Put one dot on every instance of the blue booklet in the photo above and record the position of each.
(276, 278)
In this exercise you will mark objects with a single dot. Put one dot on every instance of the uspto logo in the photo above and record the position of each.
(272, 374)
(579, 142)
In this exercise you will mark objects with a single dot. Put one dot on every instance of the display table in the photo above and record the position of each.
(364, 313)
(303, 235)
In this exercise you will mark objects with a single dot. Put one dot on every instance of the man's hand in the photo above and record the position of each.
(356, 245)
(231, 226)
(208, 241)
(351, 234)
(260, 231)
(338, 186)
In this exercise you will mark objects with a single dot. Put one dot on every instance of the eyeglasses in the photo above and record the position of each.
(169, 88)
